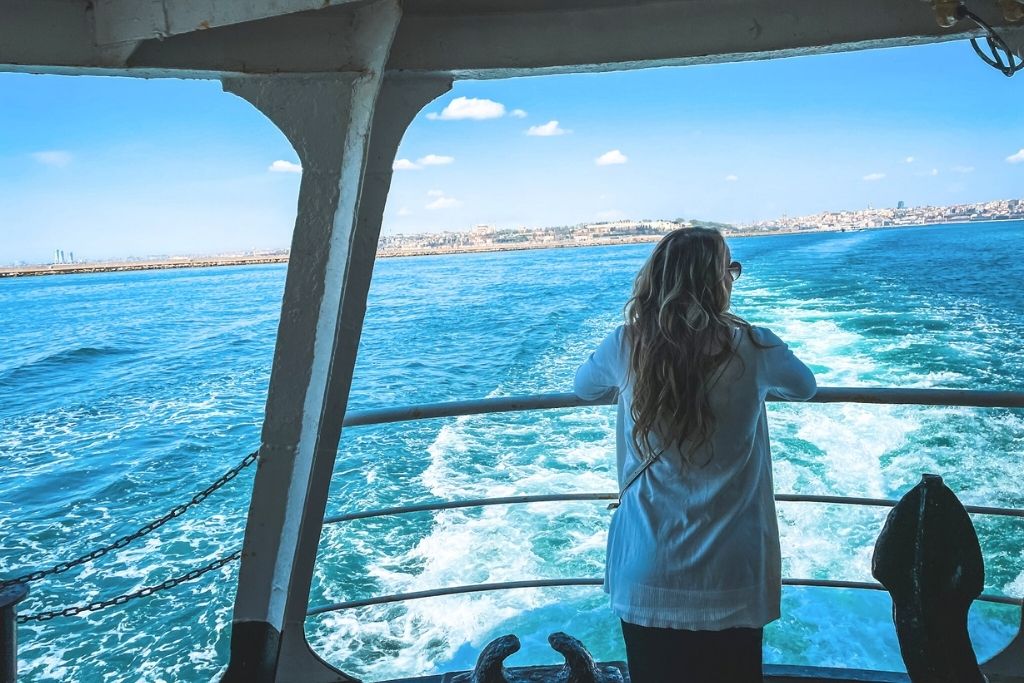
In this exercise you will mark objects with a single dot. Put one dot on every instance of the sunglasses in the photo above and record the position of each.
(735, 270)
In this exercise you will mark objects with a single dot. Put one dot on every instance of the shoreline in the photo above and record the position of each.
(124, 266)
(222, 261)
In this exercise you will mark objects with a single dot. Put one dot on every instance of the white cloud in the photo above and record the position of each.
(933, 172)
(1016, 158)
(612, 157)
(518, 113)
(282, 166)
(53, 157)
(962, 169)
(404, 212)
(435, 160)
(547, 130)
(732, 178)
(469, 108)
(441, 201)
(874, 176)
(404, 165)
(909, 160)
(444, 203)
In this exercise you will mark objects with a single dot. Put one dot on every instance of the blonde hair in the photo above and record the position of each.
(680, 329)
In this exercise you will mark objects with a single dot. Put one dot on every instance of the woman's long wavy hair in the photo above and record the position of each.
(680, 329)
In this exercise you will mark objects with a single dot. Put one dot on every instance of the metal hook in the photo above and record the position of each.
(998, 47)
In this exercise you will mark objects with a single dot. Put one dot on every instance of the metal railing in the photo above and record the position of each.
(884, 396)
(563, 497)
(510, 404)
(555, 583)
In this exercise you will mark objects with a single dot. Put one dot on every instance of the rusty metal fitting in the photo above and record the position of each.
(945, 11)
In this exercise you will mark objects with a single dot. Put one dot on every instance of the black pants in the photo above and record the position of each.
(665, 655)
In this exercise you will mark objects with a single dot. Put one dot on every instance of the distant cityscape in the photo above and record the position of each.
(488, 238)
(628, 231)
(902, 215)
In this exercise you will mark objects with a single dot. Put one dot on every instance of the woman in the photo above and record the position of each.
(693, 567)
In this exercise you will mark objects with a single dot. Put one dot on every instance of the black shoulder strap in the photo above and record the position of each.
(633, 476)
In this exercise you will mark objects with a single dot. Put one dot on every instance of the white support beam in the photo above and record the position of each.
(45, 33)
(56, 36)
(119, 21)
(327, 119)
(400, 100)
(312, 42)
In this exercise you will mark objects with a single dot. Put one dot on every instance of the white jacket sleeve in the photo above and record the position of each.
(604, 371)
(784, 375)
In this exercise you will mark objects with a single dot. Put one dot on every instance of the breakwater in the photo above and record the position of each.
(147, 264)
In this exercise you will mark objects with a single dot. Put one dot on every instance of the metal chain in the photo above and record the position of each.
(152, 526)
(121, 599)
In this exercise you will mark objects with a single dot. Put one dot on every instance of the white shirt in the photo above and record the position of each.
(697, 548)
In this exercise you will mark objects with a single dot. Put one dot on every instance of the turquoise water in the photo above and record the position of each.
(123, 394)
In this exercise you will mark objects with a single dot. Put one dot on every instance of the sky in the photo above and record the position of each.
(120, 167)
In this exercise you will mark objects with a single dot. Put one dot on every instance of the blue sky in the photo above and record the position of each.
(116, 167)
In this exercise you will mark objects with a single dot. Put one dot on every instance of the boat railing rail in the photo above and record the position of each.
(865, 395)
(14, 590)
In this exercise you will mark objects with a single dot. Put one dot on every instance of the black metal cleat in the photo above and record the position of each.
(490, 664)
(580, 666)
(929, 559)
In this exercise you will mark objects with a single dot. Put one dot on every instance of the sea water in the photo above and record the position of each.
(123, 394)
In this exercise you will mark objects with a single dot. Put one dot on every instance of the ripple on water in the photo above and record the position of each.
(122, 395)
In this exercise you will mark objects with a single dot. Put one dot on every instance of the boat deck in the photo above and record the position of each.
(773, 674)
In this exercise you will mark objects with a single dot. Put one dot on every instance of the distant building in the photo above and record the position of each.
(901, 204)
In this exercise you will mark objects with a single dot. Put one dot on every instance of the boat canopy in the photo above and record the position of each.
(459, 38)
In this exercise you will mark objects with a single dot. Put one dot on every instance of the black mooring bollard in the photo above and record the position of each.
(9, 599)
(579, 666)
(929, 559)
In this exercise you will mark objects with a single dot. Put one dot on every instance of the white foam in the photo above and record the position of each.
(486, 455)
(854, 438)
(1016, 587)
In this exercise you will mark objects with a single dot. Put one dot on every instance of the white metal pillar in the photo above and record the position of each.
(400, 100)
(328, 119)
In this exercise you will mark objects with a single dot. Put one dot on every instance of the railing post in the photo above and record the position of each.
(9, 599)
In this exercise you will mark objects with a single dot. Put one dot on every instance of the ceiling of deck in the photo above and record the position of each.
(464, 38)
